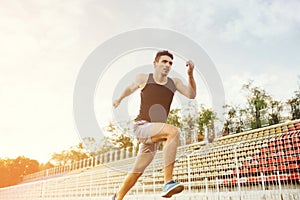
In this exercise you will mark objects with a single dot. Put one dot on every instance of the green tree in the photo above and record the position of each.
(235, 118)
(189, 121)
(189, 126)
(294, 104)
(241, 118)
(120, 138)
(230, 115)
(257, 100)
(206, 119)
(275, 110)
(174, 118)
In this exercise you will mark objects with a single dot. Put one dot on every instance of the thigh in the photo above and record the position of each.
(161, 131)
(151, 132)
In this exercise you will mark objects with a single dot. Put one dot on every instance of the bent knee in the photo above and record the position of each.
(173, 131)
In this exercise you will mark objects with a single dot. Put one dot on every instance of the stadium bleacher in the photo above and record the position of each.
(257, 164)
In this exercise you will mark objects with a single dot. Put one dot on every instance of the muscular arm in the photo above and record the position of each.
(138, 83)
(187, 90)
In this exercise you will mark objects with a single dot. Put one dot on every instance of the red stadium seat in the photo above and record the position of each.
(279, 147)
(290, 152)
(281, 153)
(272, 155)
(295, 139)
(292, 166)
(259, 179)
(272, 161)
(272, 149)
(296, 144)
(272, 178)
(234, 181)
(287, 143)
(262, 169)
(290, 158)
(284, 177)
(280, 160)
(292, 129)
(253, 170)
(281, 167)
(288, 146)
(246, 164)
(244, 171)
(263, 162)
(272, 168)
(294, 176)
(252, 179)
(278, 142)
(227, 181)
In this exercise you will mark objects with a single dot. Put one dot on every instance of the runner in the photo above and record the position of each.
(157, 91)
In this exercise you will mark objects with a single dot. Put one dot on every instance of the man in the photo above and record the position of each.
(157, 91)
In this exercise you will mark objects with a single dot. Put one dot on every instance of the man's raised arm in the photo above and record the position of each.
(187, 90)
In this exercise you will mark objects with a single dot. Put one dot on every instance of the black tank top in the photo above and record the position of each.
(156, 100)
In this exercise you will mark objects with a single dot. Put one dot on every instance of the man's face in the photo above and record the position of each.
(163, 66)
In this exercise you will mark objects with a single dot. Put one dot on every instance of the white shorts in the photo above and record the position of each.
(142, 130)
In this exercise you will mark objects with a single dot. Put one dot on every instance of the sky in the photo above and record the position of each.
(43, 45)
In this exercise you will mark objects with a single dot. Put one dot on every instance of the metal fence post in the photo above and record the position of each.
(217, 185)
(237, 170)
(189, 173)
(107, 181)
(91, 183)
(263, 183)
(206, 187)
(153, 172)
(279, 185)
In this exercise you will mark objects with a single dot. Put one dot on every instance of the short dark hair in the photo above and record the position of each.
(163, 53)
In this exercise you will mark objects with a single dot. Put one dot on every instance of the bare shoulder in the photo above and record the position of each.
(141, 79)
(176, 80)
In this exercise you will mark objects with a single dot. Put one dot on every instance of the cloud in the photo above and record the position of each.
(44, 43)
(287, 10)
(253, 20)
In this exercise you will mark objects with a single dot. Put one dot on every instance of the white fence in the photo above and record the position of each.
(261, 164)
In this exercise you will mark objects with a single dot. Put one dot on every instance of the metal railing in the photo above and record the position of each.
(262, 164)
